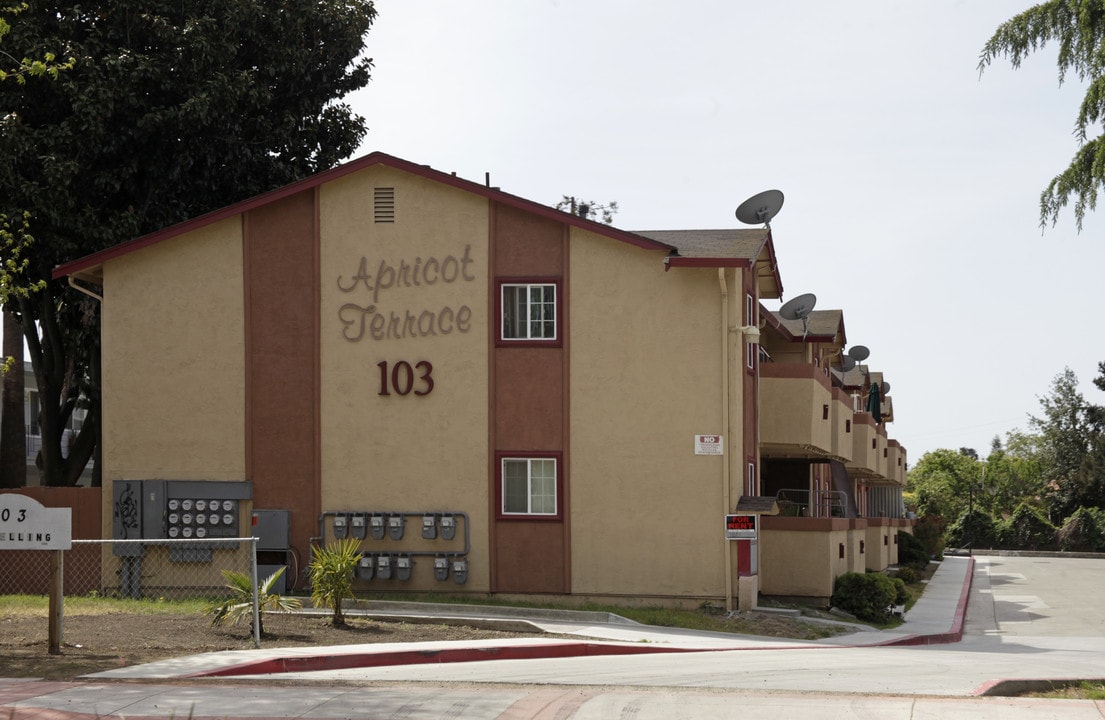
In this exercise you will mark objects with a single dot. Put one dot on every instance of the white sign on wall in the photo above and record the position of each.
(25, 524)
(708, 445)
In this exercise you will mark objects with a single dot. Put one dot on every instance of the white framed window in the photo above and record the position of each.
(529, 311)
(751, 485)
(529, 486)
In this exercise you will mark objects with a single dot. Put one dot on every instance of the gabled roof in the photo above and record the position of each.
(89, 267)
(821, 326)
(732, 247)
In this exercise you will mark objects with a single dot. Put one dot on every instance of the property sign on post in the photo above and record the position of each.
(741, 527)
(26, 525)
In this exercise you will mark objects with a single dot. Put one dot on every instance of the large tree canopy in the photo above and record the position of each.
(1078, 28)
(172, 108)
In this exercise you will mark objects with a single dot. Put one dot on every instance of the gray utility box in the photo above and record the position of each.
(272, 528)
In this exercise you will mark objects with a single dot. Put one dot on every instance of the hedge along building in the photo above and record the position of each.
(492, 395)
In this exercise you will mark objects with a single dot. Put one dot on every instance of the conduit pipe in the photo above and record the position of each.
(726, 493)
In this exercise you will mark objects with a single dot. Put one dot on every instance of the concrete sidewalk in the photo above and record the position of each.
(937, 618)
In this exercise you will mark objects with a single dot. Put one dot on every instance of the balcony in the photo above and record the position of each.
(895, 462)
(794, 502)
(796, 401)
(866, 460)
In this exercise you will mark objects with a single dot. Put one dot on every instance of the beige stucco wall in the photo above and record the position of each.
(804, 563)
(792, 410)
(878, 540)
(406, 452)
(841, 417)
(646, 512)
(864, 455)
(173, 359)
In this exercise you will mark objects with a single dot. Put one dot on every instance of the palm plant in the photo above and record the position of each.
(240, 604)
(331, 573)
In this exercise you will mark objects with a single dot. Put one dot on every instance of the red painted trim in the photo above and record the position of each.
(527, 455)
(566, 415)
(492, 402)
(376, 158)
(695, 262)
(247, 365)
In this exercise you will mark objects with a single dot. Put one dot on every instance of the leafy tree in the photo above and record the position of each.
(974, 528)
(588, 208)
(930, 531)
(172, 108)
(1084, 531)
(20, 70)
(1013, 474)
(1026, 529)
(1078, 28)
(1063, 444)
(941, 480)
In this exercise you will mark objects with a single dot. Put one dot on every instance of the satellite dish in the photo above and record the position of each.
(859, 353)
(798, 308)
(885, 389)
(760, 208)
(847, 363)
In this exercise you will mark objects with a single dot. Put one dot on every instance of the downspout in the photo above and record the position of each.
(86, 291)
(725, 472)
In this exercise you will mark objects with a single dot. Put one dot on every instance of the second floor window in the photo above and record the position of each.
(529, 486)
(529, 311)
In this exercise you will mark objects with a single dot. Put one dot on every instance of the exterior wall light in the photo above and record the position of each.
(751, 333)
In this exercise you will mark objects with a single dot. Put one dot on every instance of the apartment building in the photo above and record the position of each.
(490, 395)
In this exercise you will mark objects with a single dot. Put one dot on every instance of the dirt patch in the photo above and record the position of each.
(93, 643)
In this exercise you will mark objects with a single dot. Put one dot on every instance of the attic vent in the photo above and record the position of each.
(384, 204)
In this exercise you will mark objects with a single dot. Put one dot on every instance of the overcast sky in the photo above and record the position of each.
(911, 183)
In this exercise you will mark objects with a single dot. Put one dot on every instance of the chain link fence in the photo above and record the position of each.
(163, 571)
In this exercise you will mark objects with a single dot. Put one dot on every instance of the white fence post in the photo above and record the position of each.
(256, 594)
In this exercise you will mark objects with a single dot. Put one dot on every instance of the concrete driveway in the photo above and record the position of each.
(1051, 596)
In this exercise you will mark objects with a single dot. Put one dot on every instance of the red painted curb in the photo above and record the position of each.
(955, 634)
(314, 663)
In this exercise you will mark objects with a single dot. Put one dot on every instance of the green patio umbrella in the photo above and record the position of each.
(874, 403)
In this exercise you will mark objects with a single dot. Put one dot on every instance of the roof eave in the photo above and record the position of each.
(91, 262)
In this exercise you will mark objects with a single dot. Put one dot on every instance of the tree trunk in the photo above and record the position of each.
(56, 393)
(13, 427)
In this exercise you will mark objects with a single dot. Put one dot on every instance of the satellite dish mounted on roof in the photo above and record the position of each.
(847, 363)
(885, 388)
(859, 353)
(799, 308)
(760, 208)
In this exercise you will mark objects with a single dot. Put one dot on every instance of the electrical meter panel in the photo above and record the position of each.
(176, 509)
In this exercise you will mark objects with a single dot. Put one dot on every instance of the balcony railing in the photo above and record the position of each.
(794, 502)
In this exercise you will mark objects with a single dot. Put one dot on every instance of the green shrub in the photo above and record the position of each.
(240, 605)
(930, 531)
(901, 592)
(974, 528)
(907, 574)
(1084, 531)
(868, 596)
(331, 573)
(1026, 529)
(911, 552)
